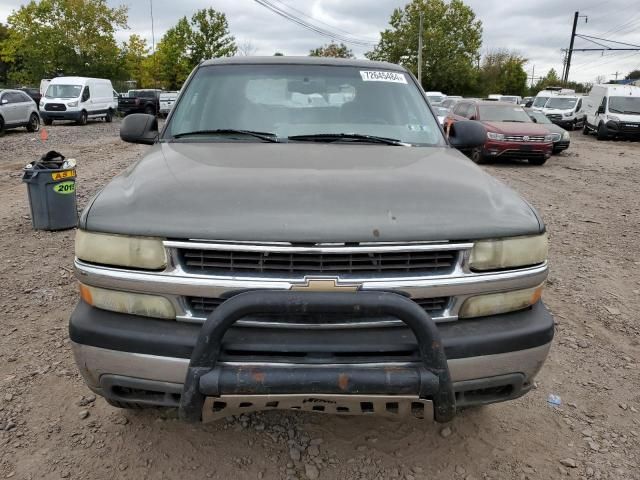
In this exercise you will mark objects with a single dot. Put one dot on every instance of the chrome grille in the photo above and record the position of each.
(204, 306)
(230, 261)
(521, 138)
(55, 107)
(554, 116)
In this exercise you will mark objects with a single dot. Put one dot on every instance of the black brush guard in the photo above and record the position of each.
(429, 380)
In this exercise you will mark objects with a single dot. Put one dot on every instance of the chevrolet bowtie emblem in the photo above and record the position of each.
(324, 285)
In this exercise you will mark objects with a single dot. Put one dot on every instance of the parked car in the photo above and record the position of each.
(541, 98)
(561, 138)
(17, 109)
(441, 112)
(613, 111)
(167, 100)
(527, 102)
(310, 256)
(449, 102)
(565, 110)
(435, 98)
(510, 132)
(34, 93)
(78, 98)
(511, 99)
(140, 101)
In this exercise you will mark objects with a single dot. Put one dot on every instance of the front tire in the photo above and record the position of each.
(478, 157)
(108, 117)
(585, 128)
(1, 126)
(83, 118)
(34, 123)
(602, 133)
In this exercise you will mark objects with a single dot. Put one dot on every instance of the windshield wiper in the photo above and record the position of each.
(266, 136)
(515, 121)
(615, 110)
(336, 137)
(630, 112)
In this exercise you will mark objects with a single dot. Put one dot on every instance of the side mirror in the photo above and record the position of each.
(528, 104)
(534, 119)
(467, 134)
(139, 128)
(600, 109)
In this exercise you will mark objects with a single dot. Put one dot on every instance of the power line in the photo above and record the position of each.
(312, 27)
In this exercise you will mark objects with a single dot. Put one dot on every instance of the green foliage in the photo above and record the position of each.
(633, 75)
(332, 50)
(189, 42)
(452, 38)
(278, 54)
(551, 79)
(4, 66)
(135, 53)
(503, 72)
(70, 37)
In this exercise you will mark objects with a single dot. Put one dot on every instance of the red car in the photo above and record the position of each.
(510, 131)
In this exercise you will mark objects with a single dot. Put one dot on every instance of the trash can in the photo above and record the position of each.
(52, 193)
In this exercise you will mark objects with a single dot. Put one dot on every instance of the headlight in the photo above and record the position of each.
(567, 114)
(555, 137)
(121, 250)
(495, 136)
(613, 118)
(126, 302)
(548, 138)
(509, 252)
(496, 303)
(72, 104)
(566, 136)
(42, 103)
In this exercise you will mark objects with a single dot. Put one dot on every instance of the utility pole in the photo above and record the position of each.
(533, 71)
(153, 47)
(616, 74)
(565, 77)
(420, 49)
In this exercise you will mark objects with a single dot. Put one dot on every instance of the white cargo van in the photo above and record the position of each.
(79, 99)
(613, 111)
(544, 95)
(565, 110)
(167, 100)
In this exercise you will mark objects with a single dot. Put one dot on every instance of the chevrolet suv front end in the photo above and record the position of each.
(301, 246)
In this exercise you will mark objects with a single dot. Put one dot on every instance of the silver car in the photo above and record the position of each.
(17, 109)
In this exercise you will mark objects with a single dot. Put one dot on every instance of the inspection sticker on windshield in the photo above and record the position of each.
(381, 76)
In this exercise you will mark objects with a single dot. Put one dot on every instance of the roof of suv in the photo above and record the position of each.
(282, 60)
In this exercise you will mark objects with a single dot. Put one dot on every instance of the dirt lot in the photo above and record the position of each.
(52, 427)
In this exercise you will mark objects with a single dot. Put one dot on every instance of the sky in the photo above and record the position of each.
(537, 29)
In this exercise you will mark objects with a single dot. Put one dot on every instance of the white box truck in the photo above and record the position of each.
(79, 99)
(613, 111)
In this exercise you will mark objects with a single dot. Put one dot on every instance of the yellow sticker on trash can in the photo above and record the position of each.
(62, 174)
(65, 188)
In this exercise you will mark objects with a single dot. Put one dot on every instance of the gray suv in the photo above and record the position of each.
(302, 235)
(17, 109)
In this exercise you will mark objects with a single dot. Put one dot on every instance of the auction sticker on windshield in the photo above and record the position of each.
(382, 76)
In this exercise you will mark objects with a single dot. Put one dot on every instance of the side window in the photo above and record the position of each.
(86, 95)
(472, 113)
(25, 97)
(14, 97)
(460, 109)
(3, 98)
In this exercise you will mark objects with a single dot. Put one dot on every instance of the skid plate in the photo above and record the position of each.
(396, 406)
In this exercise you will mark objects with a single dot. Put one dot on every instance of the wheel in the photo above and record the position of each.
(127, 405)
(574, 125)
(108, 117)
(1, 127)
(477, 156)
(537, 161)
(34, 123)
(602, 133)
(149, 110)
(585, 128)
(83, 118)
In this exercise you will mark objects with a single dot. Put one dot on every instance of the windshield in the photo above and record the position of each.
(435, 98)
(561, 103)
(441, 111)
(503, 113)
(540, 101)
(628, 105)
(63, 91)
(294, 100)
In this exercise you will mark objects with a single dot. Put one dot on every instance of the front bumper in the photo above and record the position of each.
(67, 115)
(141, 360)
(560, 145)
(516, 150)
(623, 129)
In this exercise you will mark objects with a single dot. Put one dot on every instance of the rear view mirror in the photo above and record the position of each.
(467, 134)
(139, 128)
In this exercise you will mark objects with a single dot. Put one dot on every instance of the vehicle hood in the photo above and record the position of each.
(515, 128)
(553, 128)
(626, 117)
(308, 193)
(549, 111)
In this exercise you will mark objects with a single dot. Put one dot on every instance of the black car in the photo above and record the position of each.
(561, 138)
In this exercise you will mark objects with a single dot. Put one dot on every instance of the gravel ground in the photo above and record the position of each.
(52, 427)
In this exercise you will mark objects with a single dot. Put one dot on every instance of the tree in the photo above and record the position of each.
(71, 37)
(452, 38)
(502, 71)
(135, 53)
(633, 75)
(4, 66)
(332, 50)
(278, 54)
(188, 43)
(246, 49)
(551, 79)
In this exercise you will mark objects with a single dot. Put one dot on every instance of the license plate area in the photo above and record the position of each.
(391, 406)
